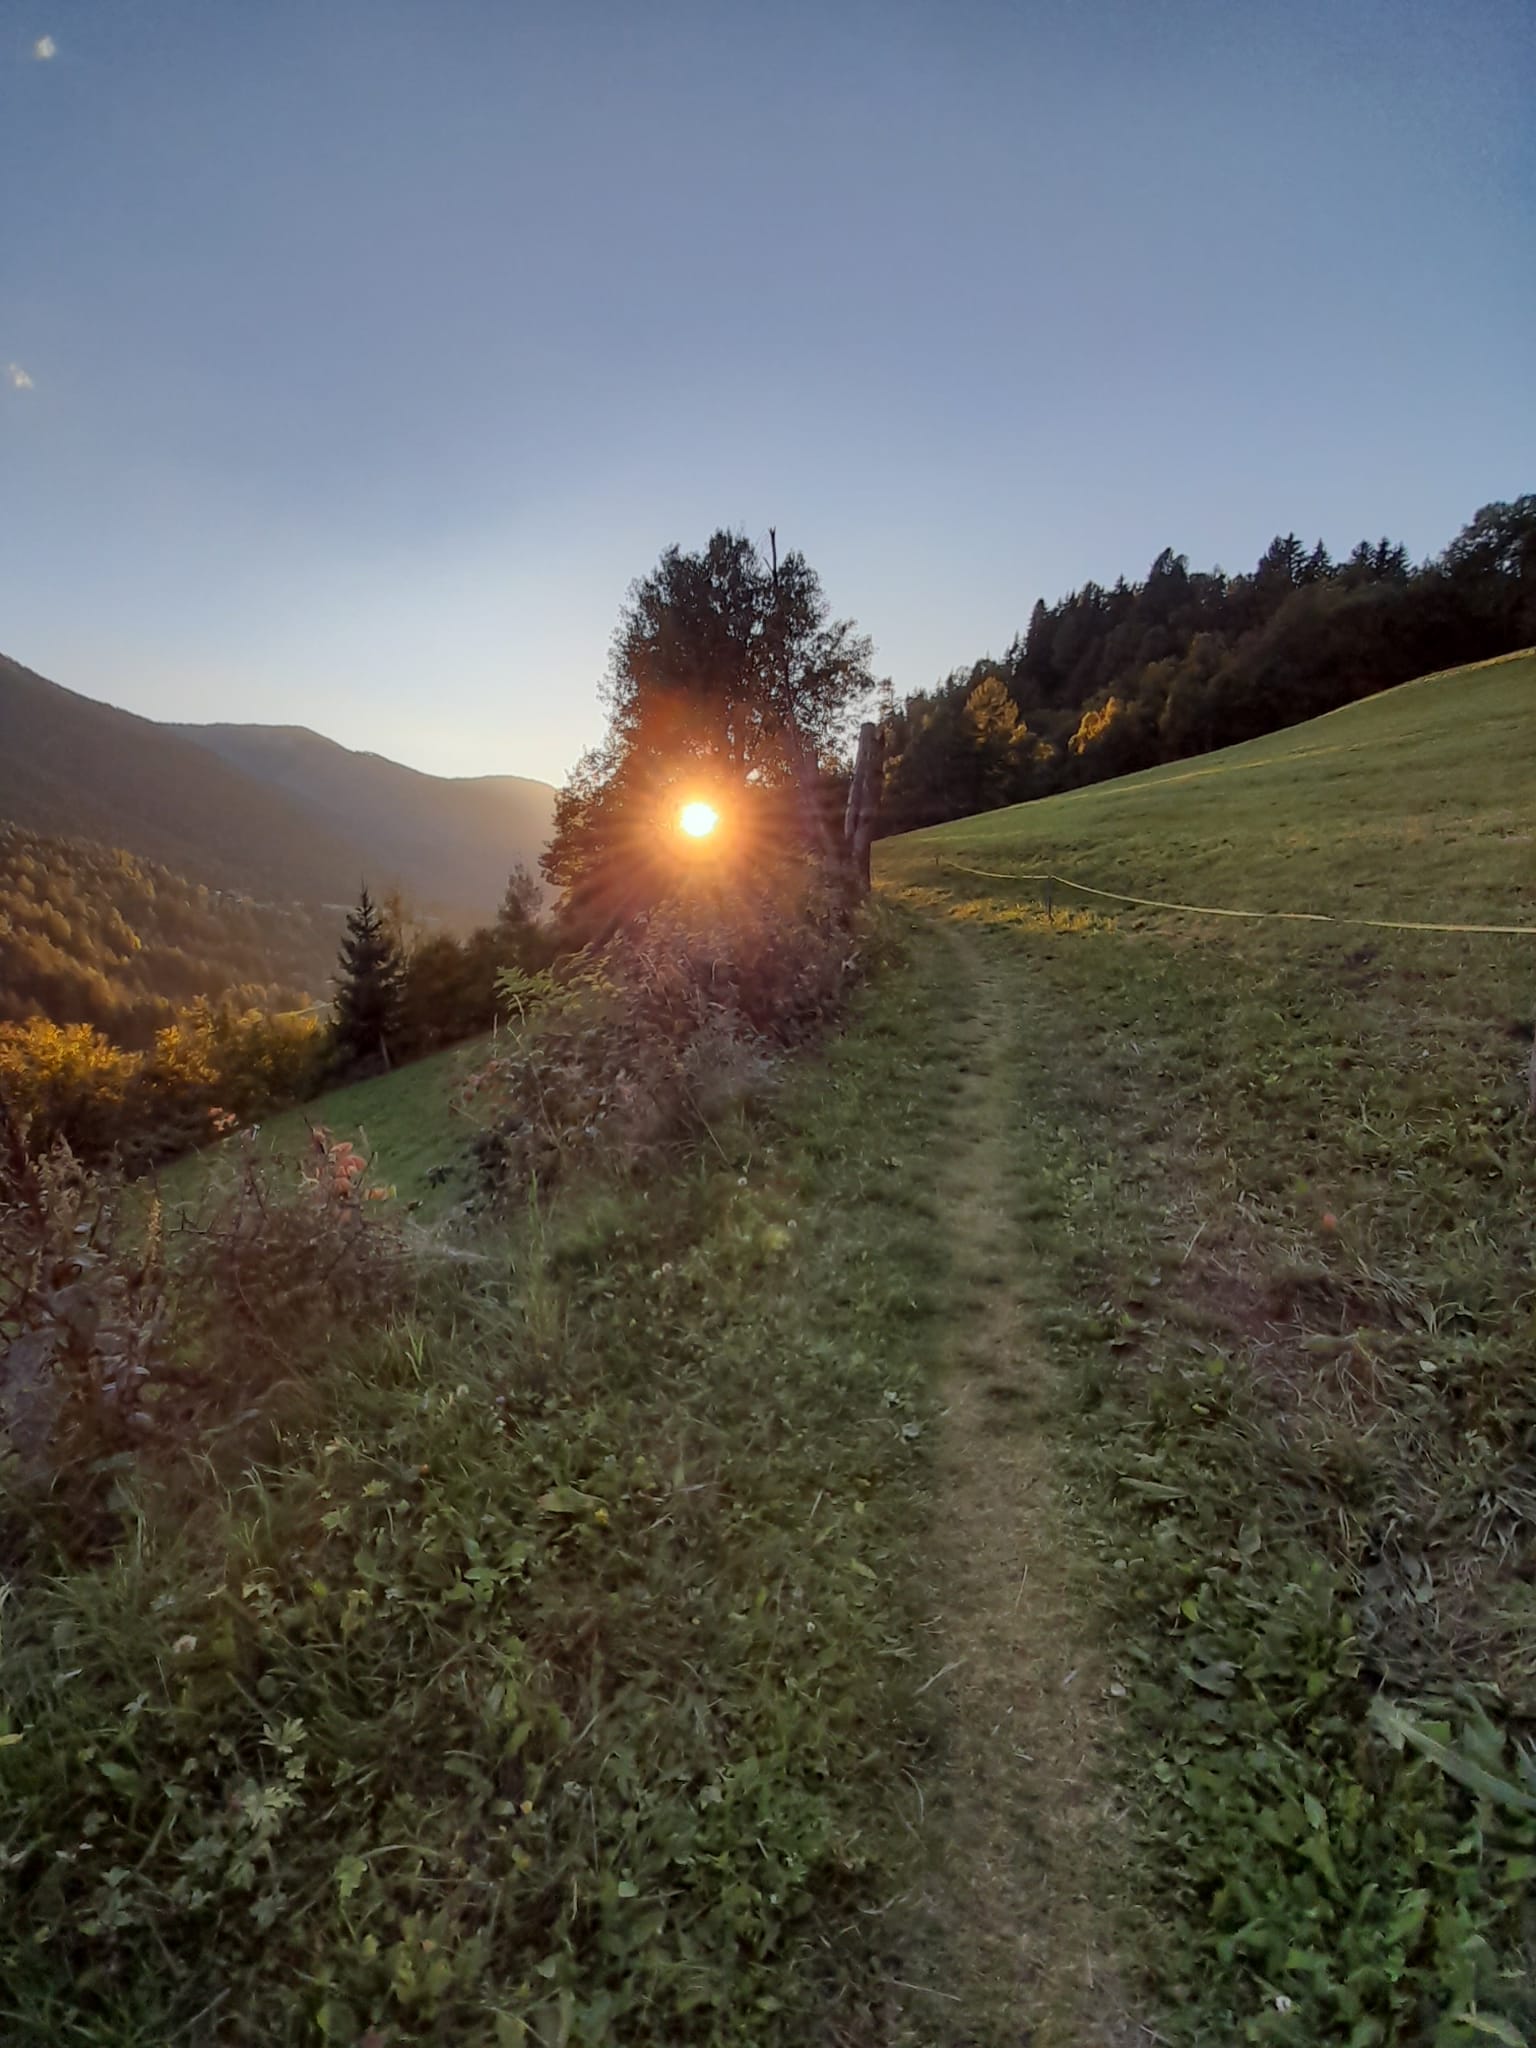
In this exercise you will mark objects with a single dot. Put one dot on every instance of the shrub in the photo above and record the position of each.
(642, 1044)
(280, 1258)
(211, 1068)
(67, 1081)
(129, 1346)
(83, 1321)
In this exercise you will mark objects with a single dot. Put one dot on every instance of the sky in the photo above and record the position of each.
(355, 355)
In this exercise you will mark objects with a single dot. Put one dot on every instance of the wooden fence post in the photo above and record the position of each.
(863, 802)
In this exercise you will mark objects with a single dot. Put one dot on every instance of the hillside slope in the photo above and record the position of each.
(451, 840)
(94, 935)
(1411, 804)
(74, 768)
(281, 816)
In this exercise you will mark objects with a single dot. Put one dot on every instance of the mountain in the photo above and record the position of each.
(276, 814)
(449, 841)
(73, 768)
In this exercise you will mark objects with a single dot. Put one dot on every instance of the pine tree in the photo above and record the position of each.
(520, 906)
(366, 1008)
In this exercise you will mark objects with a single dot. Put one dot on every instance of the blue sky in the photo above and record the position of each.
(357, 354)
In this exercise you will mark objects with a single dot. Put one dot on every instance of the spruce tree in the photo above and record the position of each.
(369, 984)
(520, 906)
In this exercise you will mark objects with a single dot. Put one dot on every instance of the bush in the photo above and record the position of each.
(127, 1347)
(644, 1043)
(281, 1259)
(211, 1069)
(69, 1082)
(83, 1320)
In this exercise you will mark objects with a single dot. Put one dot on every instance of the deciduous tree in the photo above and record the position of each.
(727, 673)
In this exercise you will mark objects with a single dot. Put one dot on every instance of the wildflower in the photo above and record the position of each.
(601, 1518)
(183, 1646)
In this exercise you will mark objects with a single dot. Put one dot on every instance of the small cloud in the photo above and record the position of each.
(44, 48)
(17, 377)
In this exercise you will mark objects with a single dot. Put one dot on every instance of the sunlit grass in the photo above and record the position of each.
(1413, 804)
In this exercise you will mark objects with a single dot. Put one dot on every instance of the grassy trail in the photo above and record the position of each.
(1021, 1881)
(1258, 1201)
(1239, 1246)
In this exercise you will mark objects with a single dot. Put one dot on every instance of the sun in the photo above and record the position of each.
(698, 820)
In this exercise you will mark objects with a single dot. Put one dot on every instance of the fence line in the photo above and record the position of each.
(1378, 924)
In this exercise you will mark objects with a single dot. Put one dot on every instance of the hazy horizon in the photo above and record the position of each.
(356, 362)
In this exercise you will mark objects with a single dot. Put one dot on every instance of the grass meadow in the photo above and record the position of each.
(1275, 1226)
(405, 1123)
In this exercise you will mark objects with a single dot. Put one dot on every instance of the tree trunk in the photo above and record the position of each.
(863, 803)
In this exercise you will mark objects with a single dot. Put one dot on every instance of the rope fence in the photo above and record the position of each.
(1377, 924)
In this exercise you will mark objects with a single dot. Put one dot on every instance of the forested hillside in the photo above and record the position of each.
(283, 817)
(93, 935)
(1110, 680)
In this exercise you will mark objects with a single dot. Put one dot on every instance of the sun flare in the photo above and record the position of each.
(698, 820)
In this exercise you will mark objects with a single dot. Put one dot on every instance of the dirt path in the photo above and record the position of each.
(1022, 1835)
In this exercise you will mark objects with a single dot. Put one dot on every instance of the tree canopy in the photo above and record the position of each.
(93, 935)
(1108, 680)
(727, 673)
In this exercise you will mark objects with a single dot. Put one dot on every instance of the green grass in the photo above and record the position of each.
(1414, 804)
(404, 1122)
(1275, 1216)
(553, 1677)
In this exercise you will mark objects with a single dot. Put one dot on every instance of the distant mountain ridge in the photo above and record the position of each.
(277, 813)
(446, 836)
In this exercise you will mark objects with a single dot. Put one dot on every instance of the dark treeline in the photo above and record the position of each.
(401, 990)
(1111, 680)
(92, 935)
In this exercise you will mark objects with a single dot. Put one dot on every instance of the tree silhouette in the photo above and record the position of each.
(366, 1007)
(727, 672)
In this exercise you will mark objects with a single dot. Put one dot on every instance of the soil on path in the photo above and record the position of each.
(1022, 1866)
